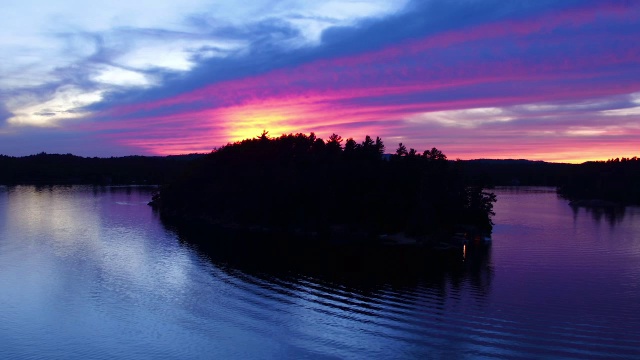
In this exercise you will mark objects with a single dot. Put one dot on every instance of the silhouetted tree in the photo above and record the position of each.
(350, 146)
(401, 150)
(264, 136)
(367, 143)
(434, 155)
(379, 145)
(334, 143)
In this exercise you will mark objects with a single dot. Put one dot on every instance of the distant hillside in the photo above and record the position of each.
(70, 169)
(494, 172)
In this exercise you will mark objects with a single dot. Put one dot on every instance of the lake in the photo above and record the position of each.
(92, 272)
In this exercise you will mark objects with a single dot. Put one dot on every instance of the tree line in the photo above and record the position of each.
(615, 180)
(47, 169)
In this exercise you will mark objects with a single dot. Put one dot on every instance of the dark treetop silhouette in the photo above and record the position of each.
(301, 183)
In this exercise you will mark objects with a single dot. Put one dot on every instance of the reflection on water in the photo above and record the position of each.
(357, 266)
(612, 214)
(91, 272)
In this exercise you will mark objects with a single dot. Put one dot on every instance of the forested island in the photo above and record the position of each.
(299, 183)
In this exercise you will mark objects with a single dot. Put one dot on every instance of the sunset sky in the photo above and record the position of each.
(541, 80)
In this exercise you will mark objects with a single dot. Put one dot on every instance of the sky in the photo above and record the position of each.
(541, 80)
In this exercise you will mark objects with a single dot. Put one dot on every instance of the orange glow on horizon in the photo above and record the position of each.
(247, 121)
(568, 154)
(293, 114)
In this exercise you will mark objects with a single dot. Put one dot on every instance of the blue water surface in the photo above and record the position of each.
(92, 272)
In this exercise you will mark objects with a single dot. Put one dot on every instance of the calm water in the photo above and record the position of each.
(92, 273)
